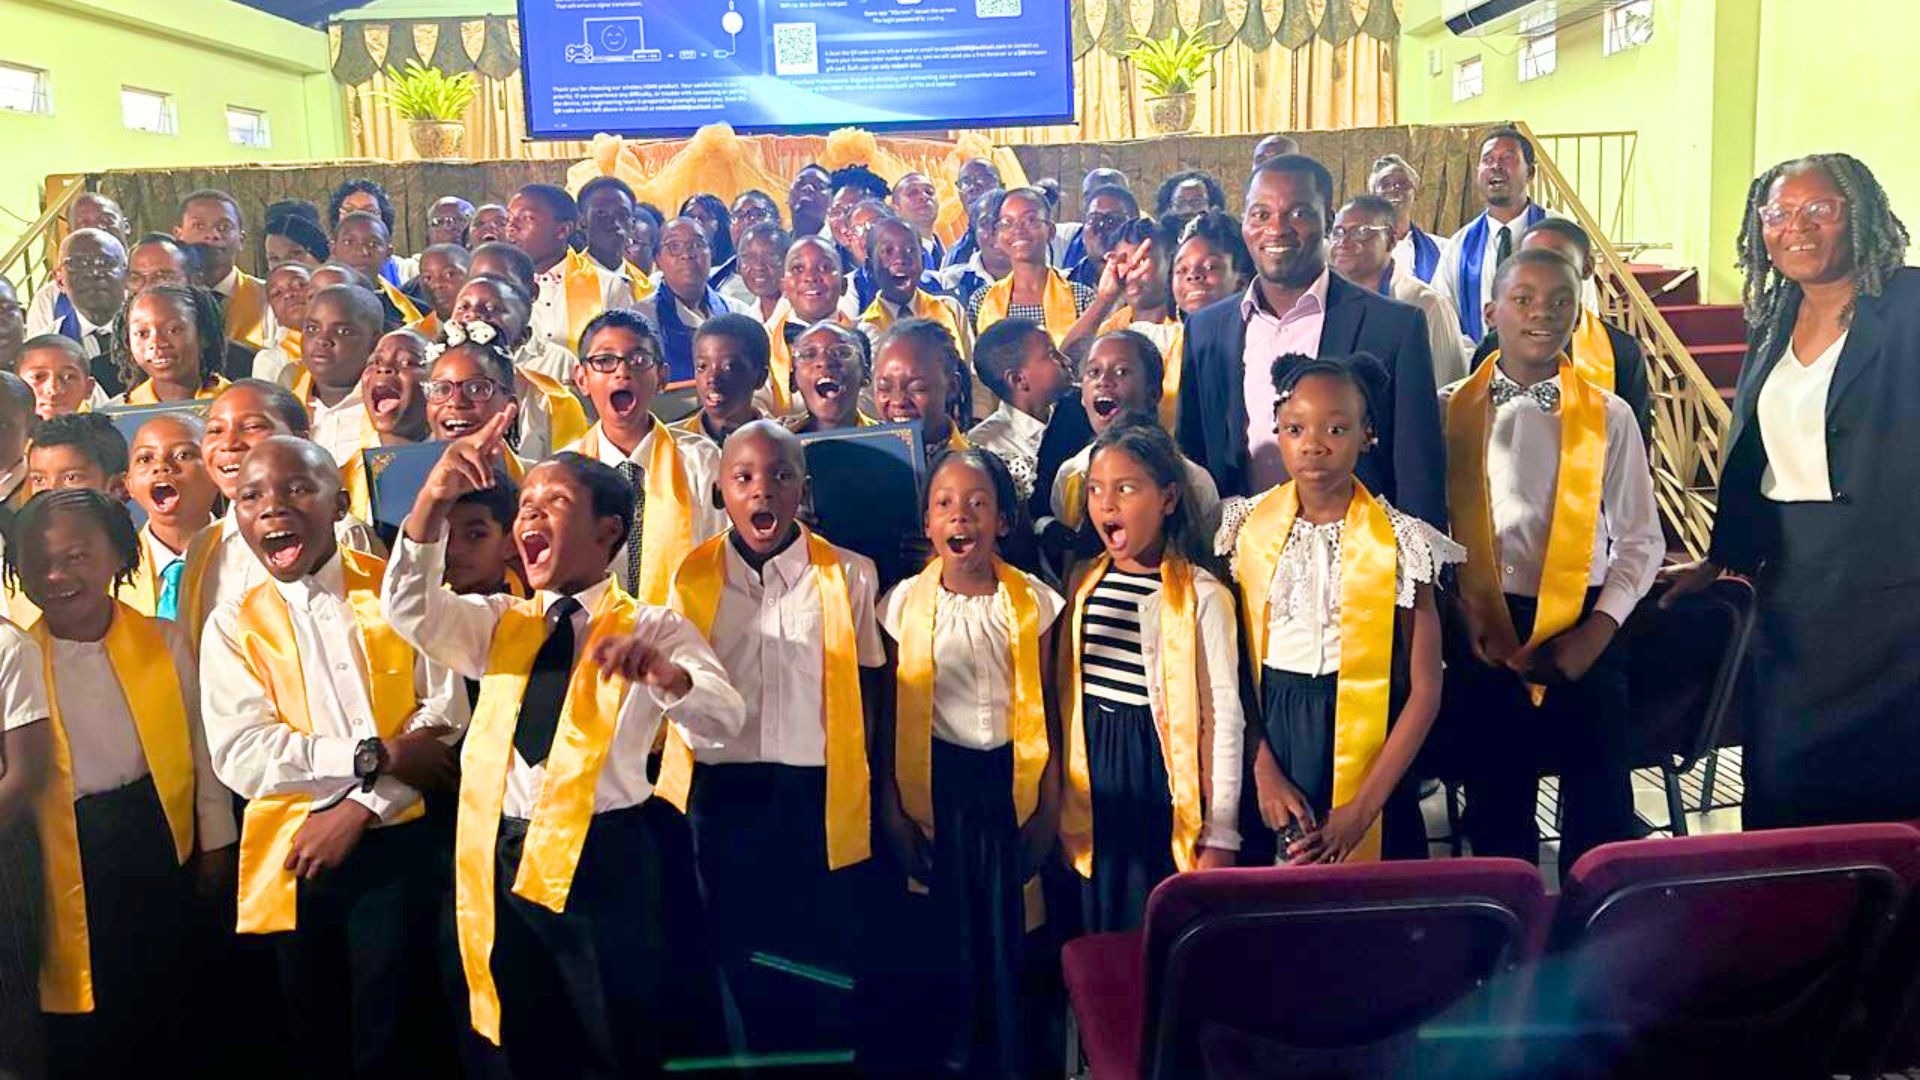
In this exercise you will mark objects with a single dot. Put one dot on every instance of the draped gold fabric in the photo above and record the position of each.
(1284, 65)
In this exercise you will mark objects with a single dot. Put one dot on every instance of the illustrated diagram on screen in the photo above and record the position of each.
(622, 40)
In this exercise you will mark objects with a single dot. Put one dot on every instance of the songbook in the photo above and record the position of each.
(865, 491)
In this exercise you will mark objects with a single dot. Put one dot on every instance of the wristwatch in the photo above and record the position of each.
(369, 761)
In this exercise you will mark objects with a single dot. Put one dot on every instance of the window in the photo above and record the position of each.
(146, 110)
(1468, 81)
(248, 127)
(25, 89)
(1629, 25)
(1538, 56)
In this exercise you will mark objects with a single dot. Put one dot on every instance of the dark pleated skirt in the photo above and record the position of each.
(1298, 717)
(1132, 814)
(139, 915)
(21, 1050)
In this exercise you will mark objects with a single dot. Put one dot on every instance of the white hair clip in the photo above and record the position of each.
(435, 349)
(478, 331)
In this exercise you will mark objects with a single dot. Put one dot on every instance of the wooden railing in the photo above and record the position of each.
(1689, 418)
(1598, 165)
(28, 263)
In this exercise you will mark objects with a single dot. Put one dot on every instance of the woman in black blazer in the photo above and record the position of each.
(1820, 499)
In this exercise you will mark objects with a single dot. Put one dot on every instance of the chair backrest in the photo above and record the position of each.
(1732, 953)
(1320, 959)
(1683, 666)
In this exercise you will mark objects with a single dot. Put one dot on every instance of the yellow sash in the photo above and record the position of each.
(564, 412)
(586, 297)
(558, 829)
(267, 889)
(641, 284)
(1576, 508)
(924, 306)
(429, 325)
(666, 533)
(780, 359)
(193, 580)
(292, 340)
(1175, 367)
(247, 311)
(142, 590)
(696, 594)
(353, 480)
(409, 311)
(1178, 724)
(1056, 302)
(1592, 349)
(1369, 559)
(144, 393)
(137, 650)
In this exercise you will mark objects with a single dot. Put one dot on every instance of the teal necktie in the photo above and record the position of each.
(168, 606)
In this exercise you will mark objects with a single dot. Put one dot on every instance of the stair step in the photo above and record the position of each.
(1721, 363)
(1654, 279)
(1707, 324)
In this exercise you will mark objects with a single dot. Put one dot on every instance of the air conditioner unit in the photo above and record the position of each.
(1526, 18)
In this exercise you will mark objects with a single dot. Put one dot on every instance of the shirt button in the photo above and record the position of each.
(1508, 569)
(339, 667)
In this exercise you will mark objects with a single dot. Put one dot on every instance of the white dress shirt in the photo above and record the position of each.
(233, 568)
(269, 326)
(698, 456)
(345, 429)
(1200, 485)
(972, 659)
(1447, 278)
(554, 361)
(1404, 257)
(272, 363)
(1793, 426)
(689, 318)
(457, 631)
(767, 631)
(1269, 337)
(256, 753)
(734, 290)
(1523, 466)
(23, 687)
(158, 552)
(550, 320)
(40, 318)
(105, 744)
(12, 477)
(1015, 436)
(1445, 341)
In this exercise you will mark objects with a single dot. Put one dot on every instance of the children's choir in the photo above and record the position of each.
(620, 759)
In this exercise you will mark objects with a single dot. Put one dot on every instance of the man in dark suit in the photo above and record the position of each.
(1296, 305)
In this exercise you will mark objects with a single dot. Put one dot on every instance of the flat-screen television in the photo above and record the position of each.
(669, 67)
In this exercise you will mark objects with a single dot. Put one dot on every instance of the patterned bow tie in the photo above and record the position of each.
(1544, 394)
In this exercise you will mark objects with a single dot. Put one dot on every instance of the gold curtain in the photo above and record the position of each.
(1283, 65)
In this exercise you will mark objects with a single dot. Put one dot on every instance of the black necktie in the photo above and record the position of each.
(631, 471)
(102, 342)
(547, 686)
(1505, 249)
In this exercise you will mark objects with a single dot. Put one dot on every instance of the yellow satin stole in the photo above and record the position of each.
(193, 580)
(292, 341)
(144, 394)
(247, 311)
(564, 412)
(558, 829)
(353, 480)
(1178, 724)
(585, 296)
(1592, 350)
(1369, 560)
(1056, 303)
(666, 532)
(1576, 508)
(267, 889)
(1172, 363)
(409, 311)
(640, 283)
(137, 649)
(142, 590)
(849, 819)
(924, 306)
(780, 357)
(429, 325)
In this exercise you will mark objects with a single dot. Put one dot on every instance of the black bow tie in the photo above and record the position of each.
(1544, 394)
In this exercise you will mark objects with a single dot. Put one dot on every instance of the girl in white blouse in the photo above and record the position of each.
(969, 791)
(1311, 556)
(1150, 682)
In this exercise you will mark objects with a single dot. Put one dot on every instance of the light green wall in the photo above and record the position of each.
(208, 54)
(1724, 89)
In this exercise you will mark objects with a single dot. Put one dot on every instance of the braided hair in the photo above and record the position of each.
(204, 307)
(1877, 238)
(112, 517)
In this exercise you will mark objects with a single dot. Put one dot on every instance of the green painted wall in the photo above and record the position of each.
(208, 54)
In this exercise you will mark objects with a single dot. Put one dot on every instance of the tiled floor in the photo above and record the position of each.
(1650, 801)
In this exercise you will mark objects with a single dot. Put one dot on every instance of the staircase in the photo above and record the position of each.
(1714, 334)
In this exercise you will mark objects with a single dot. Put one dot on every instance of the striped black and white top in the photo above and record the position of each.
(1111, 667)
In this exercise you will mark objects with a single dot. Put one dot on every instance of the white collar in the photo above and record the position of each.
(791, 564)
(157, 549)
(610, 454)
(227, 284)
(588, 598)
(329, 580)
(12, 477)
(1252, 301)
(1024, 426)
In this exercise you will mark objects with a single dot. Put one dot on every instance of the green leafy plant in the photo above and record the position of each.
(1172, 65)
(427, 93)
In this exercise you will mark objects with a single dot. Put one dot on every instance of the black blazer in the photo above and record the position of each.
(1409, 465)
(1629, 373)
(1866, 539)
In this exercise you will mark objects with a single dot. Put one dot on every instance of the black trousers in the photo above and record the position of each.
(362, 994)
(139, 917)
(1579, 732)
(21, 1050)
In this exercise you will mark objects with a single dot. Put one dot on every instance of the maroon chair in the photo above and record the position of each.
(1730, 955)
(1319, 970)
(1887, 1038)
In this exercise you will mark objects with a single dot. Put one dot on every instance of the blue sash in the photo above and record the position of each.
(391, 271)
(676, 337)
(962, 250)
(1085, 272)
(1076, 251)
(1473, 251)
(722, 272)
(1426, 255)
(936, 255)
(864, 290)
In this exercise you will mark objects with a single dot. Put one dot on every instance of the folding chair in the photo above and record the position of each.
(1320, 970)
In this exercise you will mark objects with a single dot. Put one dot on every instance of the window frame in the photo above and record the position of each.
(169, 114)
(39, 95)
(262, 125)
(1460, 69)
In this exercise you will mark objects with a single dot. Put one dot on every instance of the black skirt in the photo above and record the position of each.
(1132, 814)
(20, 943)
(1298, 717)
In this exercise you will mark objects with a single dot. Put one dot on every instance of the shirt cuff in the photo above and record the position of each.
(332, 757)
(1616, 603)
(388, 799)
(217, 830)
(1224, 837)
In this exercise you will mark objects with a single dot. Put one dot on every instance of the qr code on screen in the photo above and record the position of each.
(796, 50)
(996, 9)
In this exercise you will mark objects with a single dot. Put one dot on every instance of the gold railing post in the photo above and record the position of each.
(28, 262)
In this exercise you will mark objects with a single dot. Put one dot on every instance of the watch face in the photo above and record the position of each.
(365, 759)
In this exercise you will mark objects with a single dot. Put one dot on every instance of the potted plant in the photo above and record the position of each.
(432, 102)
(1169, 67)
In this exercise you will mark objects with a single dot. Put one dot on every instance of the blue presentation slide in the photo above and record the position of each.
(668, 67)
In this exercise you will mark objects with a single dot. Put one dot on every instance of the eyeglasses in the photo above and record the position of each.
(637, 361)
(1357, 233)
(476, 389)
(1817, 212)
(1103, 222)
(74, 265)
(1021, 223)
(752, 214)
(405, 364)
(365, 247)
(820, 354)
(682, 249)
(447, 222)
